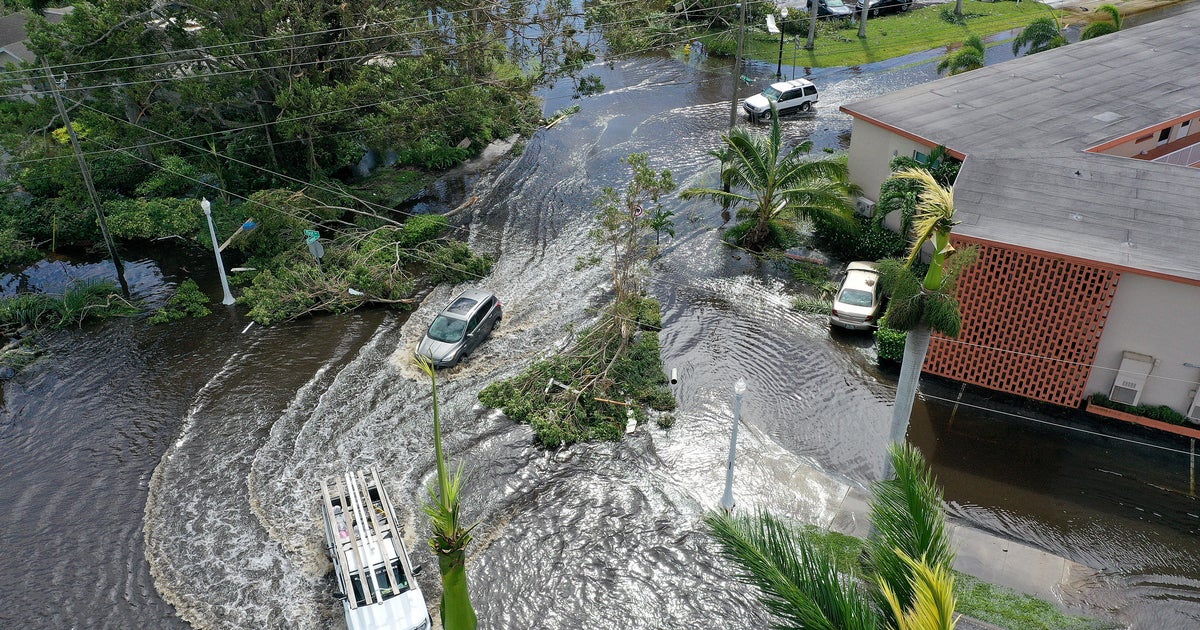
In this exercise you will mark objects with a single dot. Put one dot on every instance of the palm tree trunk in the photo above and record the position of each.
(916, 346)
(456, 609)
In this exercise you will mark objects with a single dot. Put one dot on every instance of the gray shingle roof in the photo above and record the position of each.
(1024, 125)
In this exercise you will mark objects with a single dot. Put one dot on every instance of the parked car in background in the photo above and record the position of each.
(788, 96)
(828, 9)
(858, 301)
(876, 7)
(460, 328)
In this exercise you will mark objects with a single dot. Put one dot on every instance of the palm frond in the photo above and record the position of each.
(905, 298)
(935, 209)
(933, 602)
(802, 587)
(909, 519)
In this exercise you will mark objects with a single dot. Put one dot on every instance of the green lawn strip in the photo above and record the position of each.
(990, 603)
(890, 36)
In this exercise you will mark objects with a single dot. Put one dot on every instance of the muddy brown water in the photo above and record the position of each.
(166, 476)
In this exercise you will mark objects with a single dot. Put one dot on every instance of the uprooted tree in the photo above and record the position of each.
(613, 367)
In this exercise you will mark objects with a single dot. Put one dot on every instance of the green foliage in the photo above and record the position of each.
(870, 241)
(434, 152)
(889, 342)
(771, 186)
(1042, 34)
(14, 250)
(812, 305)
(809, 273)
(1096, 29)
(594, 368)
(1162, 413)
(188, 301)
(970, 56)
(453, 263)
(146, 219)
(947, 15)
(1006, 608)
(175, 177)
(82, 301)
(421, 229)
(390, 187)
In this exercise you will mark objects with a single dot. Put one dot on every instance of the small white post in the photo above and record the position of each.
(207, 207)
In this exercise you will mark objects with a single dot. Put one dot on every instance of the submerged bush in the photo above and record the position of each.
(188, 301)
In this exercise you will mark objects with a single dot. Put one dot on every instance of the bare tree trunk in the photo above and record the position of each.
(916, 346)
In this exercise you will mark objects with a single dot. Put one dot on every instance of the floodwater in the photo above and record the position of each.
(164, 476)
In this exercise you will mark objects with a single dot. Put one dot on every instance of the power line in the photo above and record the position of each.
(1057, 425)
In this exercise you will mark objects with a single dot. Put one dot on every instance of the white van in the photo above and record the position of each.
(376, 577)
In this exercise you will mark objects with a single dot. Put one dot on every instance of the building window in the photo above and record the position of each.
(1183, 128)
(920, 157)
(1163, 136)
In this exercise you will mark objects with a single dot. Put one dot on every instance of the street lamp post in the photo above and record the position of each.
(782, 17)
(727, 502)
(207, 207)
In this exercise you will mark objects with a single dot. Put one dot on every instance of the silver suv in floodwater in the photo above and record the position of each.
(788, 96)
(460, 328)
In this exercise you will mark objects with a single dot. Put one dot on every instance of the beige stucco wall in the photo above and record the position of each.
(871, 149)
(1158, 318)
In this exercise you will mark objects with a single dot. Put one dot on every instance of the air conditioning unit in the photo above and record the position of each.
(865, 207)
(1194, 409)
(1131, 378)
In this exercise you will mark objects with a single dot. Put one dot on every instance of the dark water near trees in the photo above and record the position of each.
(155, 471)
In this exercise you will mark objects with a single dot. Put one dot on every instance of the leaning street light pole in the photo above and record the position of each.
(207, 207)
(727, 502)
(782, 16)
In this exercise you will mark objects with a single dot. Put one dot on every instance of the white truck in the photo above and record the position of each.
(373, 569)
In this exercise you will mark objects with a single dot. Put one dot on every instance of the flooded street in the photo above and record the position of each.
(151, 472)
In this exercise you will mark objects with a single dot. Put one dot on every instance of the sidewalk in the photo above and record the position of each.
(812, 496)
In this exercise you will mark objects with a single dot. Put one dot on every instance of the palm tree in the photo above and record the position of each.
(1040, 35)
(450, 538)
(779, 190)
(1096, 29)
(970, 56)
(905, 582)
(922, 306)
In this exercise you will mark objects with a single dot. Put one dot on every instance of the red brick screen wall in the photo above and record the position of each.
(1019, 306)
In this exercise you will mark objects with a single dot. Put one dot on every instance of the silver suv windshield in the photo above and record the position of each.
(771, 93)
(447, 329)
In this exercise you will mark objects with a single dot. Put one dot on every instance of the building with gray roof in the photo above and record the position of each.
(1080, 185)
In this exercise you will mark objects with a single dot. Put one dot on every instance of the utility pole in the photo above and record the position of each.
(737, 67)
(736, 76)
(87, 180)
(813, 7)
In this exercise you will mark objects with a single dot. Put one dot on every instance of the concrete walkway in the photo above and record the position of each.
(806, 494)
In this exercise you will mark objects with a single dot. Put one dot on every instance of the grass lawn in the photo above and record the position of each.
(888, 36)
(993, 604)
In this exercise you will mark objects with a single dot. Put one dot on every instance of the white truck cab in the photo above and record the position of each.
(376, 577)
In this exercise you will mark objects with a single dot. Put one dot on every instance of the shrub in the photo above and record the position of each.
(152, 218)
(889, 343)
(188, 301)
(1162, 413)
(15, 250)
(421, 229)
(454, 263)
(871, 241)
(810, 273)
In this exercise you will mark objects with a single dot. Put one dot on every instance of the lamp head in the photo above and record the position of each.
(739, 387)
(205, 205)
(783, 12)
